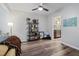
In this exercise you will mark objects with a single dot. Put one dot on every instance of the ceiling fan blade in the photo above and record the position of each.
(45, 9)
(34, 9)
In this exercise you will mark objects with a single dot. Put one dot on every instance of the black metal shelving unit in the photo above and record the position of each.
(33, 30)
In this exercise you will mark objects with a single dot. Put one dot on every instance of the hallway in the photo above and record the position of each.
(47, 48)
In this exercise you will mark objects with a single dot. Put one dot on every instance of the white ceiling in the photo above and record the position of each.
(27, 7)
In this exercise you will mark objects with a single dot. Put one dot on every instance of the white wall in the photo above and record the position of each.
(20, 23)
(4, 18)
(51, 25)
(19, 20)
(70, 35)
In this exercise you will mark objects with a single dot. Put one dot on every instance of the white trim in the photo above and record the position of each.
(72, 46)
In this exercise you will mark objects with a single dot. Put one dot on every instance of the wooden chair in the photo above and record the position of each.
(14, 40)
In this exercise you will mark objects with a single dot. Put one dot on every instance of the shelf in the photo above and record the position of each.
(33, 31)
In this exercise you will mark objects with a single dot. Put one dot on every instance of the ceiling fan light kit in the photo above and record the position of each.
(40, 8)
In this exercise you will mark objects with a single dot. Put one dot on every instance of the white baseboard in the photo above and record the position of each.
(70, 45)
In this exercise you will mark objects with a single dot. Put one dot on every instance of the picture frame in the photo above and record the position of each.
(70, 22)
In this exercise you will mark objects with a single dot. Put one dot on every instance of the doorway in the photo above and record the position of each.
(57, 27)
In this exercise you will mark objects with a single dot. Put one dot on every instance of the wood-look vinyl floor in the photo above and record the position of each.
(47, 48)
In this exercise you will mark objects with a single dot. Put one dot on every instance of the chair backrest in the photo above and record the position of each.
(14, 40)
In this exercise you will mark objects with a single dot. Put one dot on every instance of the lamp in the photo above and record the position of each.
(10, 24)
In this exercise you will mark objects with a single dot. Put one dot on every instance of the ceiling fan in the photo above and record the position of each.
(40, 7)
